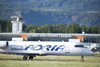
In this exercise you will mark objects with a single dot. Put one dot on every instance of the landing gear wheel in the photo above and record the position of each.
(24, 57)
(31, 58)
(82, 58)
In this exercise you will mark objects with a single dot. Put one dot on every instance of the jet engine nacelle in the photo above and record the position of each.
(3, 44)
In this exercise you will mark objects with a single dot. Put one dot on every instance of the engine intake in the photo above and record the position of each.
(3, 44)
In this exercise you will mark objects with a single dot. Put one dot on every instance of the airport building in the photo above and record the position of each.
(85, 39)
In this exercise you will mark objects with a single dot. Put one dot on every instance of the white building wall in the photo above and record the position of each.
(20, 27)
(15, 27)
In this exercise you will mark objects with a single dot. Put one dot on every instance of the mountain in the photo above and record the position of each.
(14, 0)
(23, 0)
(85, 12)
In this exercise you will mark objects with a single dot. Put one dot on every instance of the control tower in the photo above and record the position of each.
(17, 24)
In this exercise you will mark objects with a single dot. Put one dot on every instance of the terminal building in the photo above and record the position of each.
(91, 41)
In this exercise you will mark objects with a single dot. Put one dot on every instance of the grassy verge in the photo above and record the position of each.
(69, 61)
(6, 63)
(96, 58)
(96, 54)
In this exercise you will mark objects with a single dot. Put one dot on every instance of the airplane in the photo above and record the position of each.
(43, 48)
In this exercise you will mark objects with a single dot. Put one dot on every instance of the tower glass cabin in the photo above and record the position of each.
(16, 24)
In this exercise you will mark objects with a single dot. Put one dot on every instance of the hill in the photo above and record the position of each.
(53, 11)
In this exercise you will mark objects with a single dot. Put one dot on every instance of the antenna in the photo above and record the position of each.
(18, 14)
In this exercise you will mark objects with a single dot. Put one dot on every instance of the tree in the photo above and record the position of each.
(9, 26)
(98, 30)
(50, 30)
(3, 24)
(32, 31)
(44, 28)
(30, 27)
(74, 28)
(61, 28)
(38, 28)
(94, 29)
(24, 28)
(67, 28)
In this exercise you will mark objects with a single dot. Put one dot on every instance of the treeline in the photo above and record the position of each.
(62, 28)
(6, 26)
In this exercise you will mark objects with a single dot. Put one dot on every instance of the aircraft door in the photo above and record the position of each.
(67, 49)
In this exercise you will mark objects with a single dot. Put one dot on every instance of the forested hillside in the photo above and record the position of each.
(85, 12)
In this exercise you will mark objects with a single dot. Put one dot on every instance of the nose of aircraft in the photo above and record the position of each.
(89, 52)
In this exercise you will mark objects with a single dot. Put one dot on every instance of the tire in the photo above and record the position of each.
(31, 58)
(24, 58)
(82, 60)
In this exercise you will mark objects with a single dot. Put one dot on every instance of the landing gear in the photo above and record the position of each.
(31, 57)
(24, 57)
(82, 58)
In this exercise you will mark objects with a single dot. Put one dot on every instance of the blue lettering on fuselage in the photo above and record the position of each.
(47, 47)
(30, 46)
(37, 47)
(53, 47)
(60, 47)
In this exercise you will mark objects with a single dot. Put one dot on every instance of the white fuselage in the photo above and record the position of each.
(45, 48)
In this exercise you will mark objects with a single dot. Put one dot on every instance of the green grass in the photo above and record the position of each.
(55, 61)
(8, 63)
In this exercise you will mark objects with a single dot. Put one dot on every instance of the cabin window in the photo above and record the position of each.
(79, 46)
